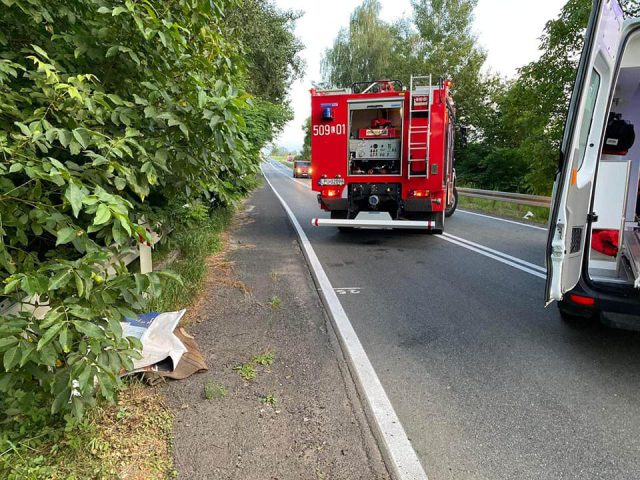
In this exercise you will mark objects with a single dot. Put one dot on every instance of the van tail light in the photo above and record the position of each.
(582, 300)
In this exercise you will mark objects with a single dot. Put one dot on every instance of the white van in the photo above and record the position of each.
(593, 249)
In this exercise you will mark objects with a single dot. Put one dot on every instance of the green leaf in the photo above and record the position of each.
(65, 235)
(82, 136)
(89, 329)
(49, 334)
(60, 280)
(40, 51)
(26, 353)
(64, 340)
(16, 167)
(62, 398)
(103, 214)
(74, 196)
(64, 137)
(11, 357)
(7, 342)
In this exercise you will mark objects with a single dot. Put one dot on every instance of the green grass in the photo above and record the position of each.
(266, 358)
(504, 209)
(275, 302)
(269, 399)
(127, 440)
(194, 244)
(214, 391)
(247, 371)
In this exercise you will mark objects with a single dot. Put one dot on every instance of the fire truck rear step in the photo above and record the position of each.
(374, 220)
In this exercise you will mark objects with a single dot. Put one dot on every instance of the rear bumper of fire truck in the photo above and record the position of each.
(374, 220)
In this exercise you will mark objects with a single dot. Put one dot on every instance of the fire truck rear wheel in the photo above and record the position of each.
(452, 208)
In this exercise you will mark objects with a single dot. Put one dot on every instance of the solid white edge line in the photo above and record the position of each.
(498, 252)
(401, 458)
(501, 219)
(535, 273)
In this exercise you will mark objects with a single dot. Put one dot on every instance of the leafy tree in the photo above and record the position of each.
(113, 115)
(269, 46)
(362, 51)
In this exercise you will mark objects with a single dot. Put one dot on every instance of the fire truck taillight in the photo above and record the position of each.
(330, 193)
(419, 193)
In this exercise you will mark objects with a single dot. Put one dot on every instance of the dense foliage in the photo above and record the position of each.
(114, 116)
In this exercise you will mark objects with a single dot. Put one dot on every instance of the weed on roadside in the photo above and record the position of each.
(275, 276)
(264, 358)
(275, 302)
(269, 399)
(214, 391)
(246, 371)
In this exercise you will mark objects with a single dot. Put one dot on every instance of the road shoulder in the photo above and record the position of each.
(300, 417)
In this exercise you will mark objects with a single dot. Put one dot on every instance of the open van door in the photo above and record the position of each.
(571, 213)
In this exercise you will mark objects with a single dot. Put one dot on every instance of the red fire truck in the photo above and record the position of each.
(382, 155)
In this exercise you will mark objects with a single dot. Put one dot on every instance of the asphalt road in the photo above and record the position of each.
(487, 383)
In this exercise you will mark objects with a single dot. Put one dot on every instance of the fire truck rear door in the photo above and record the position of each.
(581, 146)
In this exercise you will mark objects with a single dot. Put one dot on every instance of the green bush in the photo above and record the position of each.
(113, 115)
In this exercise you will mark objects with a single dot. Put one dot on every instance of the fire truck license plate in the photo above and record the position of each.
(330, 181)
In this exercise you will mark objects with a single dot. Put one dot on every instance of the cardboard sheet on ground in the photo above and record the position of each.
(161, 349)
(167, 350)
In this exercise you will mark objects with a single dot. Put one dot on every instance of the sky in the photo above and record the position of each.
(509, 30)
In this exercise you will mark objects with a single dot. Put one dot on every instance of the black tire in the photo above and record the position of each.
(452, 208)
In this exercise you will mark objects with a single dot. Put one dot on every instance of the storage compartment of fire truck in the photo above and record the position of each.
(614, 257)
(375, 138)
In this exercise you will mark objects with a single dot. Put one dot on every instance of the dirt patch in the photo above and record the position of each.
(277, 402)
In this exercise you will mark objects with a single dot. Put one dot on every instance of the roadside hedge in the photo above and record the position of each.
(113, 115)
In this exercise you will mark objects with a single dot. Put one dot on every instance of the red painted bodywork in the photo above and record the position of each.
(329, 153)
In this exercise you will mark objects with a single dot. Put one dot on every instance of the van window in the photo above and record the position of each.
(587, 120)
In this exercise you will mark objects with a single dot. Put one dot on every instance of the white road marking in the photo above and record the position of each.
(402, 460)
(502, 219)
(499, 253)
(519, 266)
(350, 290)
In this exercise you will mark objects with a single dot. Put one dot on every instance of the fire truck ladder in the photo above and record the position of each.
(419, 146)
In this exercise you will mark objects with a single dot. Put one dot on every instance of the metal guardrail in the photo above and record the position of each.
(520, 198)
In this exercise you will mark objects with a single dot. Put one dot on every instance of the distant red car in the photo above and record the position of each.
(302, 169)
